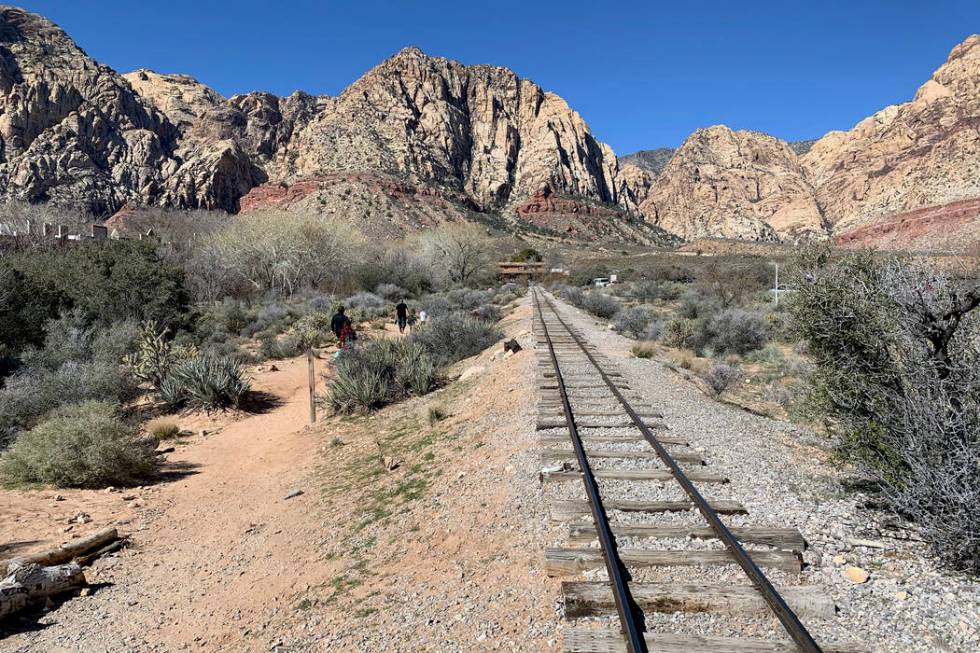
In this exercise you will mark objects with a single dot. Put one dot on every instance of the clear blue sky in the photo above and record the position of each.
(642, 74)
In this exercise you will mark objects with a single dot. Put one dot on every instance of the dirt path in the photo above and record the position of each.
(215, 552)
(441, 553)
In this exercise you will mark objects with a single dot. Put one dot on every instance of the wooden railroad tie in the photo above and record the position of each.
(591, 640)
(564, 510)
(657, 475)
(561, 455)
(588, 599)
(784, 538)
(560, 560)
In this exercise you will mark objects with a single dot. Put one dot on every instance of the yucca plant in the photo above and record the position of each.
(208, 382)
(382, 372)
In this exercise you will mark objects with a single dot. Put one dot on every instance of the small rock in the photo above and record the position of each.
(129, 497)
(67, 529)
(80, 518)
(389, 463)
(109, 490)
(85, 591)
(857, 575)
(902, 595)
(293, 493)
(273, 368)
(58, 497)
(512, 346)
(508, 354)
(839, 559)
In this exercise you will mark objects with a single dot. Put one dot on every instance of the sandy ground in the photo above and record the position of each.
(440, 553)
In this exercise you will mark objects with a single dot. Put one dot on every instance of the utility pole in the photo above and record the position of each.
(775, 289)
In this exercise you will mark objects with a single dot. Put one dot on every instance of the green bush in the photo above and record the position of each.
(896, 347)
(453, 337)
(679, 333)
(735, 331)
(600, 304)
(84, 445)
(207, 382)
(380, 373)
(633, 322)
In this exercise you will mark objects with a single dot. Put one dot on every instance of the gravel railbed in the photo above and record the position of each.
(781, 474)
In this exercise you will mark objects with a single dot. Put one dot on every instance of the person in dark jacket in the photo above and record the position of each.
(401, 315)
(341, 326)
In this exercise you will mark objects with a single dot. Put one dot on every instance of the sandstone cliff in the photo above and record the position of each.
(76, 133)
(734, 184)
(906, 156)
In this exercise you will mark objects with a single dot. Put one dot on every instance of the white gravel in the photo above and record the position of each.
(778, 472)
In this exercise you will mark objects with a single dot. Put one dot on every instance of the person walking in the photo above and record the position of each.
(401, 315)
(341, 326)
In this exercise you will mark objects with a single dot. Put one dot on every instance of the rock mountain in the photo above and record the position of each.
(866, 185)
(419, 140)
(433, 134)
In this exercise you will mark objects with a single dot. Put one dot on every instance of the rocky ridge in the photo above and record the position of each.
(923, 154)
(76, 133)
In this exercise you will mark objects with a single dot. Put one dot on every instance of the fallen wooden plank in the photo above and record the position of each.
(560, 560)
(590, 640)
(586, 599)
(657, 475)
(786, 538)
(572, 508)
(569, 454)
(67, 551)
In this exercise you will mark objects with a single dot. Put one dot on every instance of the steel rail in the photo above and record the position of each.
(627, 608)
(794, 627)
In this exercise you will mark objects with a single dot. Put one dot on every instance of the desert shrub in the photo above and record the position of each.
(527, 254)
(633, 321)
(583, 276)
(312, 330)
(455, 336)
(380, 373)
(488, 313)
(653, 331)
(735, 331)
(600, 304)
(651, 291)
(391, 292)
(679, 333)
(572, 295)
(365, 306)
(771, 354)
(82, 445)
(697, 304)
(436, 305)
(31, 393)
(207, 382)
(896, 348)
(731, 279)
(720, 377)
(273, 347)
(163, 428)
(644, 349)
(436, 413)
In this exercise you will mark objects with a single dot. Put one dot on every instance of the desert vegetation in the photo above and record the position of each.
(880, 353)
(117, 332)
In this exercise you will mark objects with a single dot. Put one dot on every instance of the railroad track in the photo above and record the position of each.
(596, 432)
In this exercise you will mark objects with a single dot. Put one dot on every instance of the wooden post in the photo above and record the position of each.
(309, 358)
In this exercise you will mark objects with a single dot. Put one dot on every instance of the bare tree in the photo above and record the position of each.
(460, 252)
